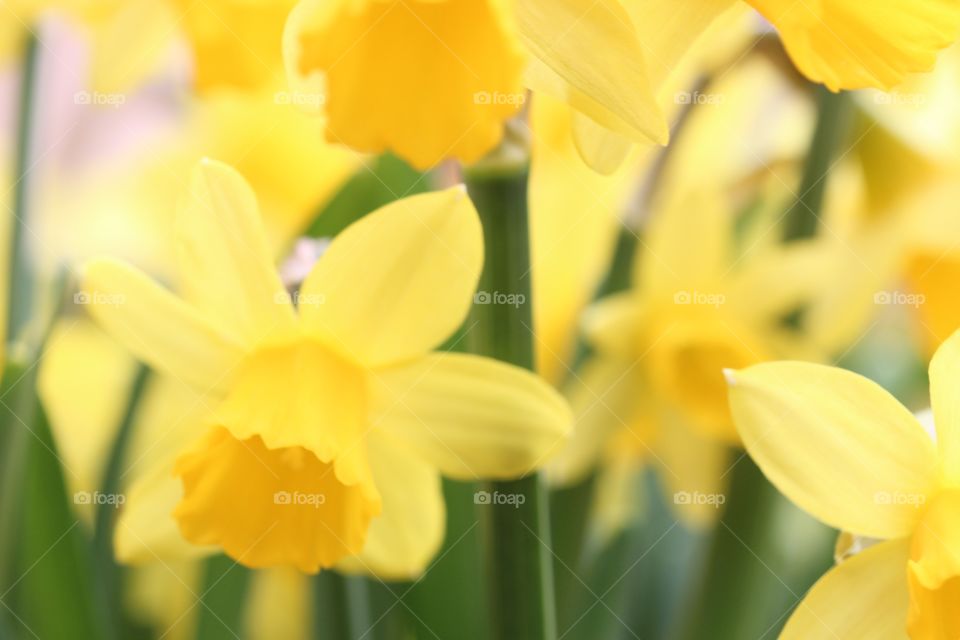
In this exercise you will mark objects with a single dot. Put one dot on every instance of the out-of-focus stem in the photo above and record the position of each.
(517, 535)
(834, 114)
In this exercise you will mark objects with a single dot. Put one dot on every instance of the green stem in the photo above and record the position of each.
(834, 114)
(109, 572)
(331, 606)
(19, 374)
(22, 278)
(223, 599)
(518, 534)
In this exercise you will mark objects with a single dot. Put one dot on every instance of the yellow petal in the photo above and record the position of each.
(669, 29)
(235, 42)
(146, 530)
(935, 548)
(604, 396)
(225, 263)
(449, 71)
(155, 325)
(933, 274)
(587, 54)
(406, 536)
(398, 282)
(301, 394)
(612, 325)
(687, 352)
(83, 382)
(693, 470)
(573, 223)
(132, 44)
(603, 150)
(473, 417)
(270, 507)
(944, 381)
(863, 598)
(849, 44)
(933, 613)
(292, 172)
(836, 444)
(675, 260)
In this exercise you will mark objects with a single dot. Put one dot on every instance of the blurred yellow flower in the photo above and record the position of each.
(850, 44)
(331, 417)
(430, 80)
(846, 451)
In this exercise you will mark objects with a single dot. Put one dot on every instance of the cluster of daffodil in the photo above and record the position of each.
(481, 319)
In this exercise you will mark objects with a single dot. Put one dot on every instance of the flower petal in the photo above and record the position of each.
(862, 597)
(406, 536)
(473, 417)
(400, 281)
(146, 530)
(944, 381)
(604, 398)
(224, 259)
(586, 52)
(450, 72)
(155, 325)
(836, 444)
(84, 379)
(849, 44)
(270, 507)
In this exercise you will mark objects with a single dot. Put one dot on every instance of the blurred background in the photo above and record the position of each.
(783, 221)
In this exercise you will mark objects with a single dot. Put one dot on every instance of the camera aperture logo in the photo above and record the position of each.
(714, 500)
(115, 500)
(899, 499)
(515, 100)
(299, 499)
(899, 298)
(99, 298)
(496, 497)
(515, 300)
(699, 298)
(299, 299)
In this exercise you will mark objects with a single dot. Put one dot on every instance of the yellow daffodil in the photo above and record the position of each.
(452, 72)
(232, 43)
(330, 420)
(847, 452)
(655, 386)
(847, 44)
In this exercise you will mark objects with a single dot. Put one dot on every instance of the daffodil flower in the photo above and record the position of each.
(331, 419)
(844, 450)
(655, 380)
(231, 42)
(430, 80)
